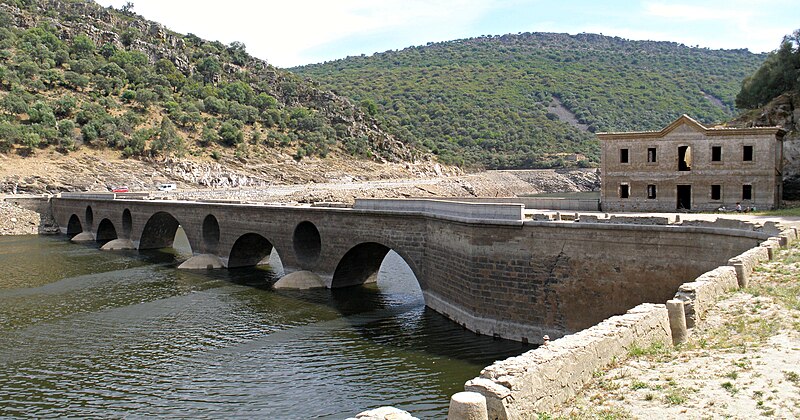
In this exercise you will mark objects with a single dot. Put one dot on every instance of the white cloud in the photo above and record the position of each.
(282, 31)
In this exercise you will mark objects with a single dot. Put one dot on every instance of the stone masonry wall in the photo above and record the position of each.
(542, 379)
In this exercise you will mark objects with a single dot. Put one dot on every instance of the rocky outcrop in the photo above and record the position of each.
(783, 111)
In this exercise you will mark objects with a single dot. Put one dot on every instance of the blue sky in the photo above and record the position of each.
(294, 32)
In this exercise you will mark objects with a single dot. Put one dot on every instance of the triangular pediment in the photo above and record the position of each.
(684, 124)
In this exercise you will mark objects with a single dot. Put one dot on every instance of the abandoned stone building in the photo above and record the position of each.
(687, 166)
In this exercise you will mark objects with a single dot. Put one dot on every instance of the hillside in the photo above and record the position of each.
(75, 75)
(534, 99)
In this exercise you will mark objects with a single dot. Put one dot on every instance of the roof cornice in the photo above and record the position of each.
(687, 120)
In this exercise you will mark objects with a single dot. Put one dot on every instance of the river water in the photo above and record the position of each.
(89, 333)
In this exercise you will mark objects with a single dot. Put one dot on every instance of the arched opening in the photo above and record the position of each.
(127, 224)
(74, 226)
(307, 244)
(210, 234)
(89, 218)
(106, 231)
(249, 250)
(360, 265)
(371, 276)
(159, 231)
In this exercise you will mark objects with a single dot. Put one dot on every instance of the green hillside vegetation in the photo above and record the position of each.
(779, 74)
(490, 100)
(73, 73)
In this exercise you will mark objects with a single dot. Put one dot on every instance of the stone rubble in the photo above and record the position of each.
(15, 220)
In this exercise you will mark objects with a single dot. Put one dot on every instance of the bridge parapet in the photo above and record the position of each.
(104, 195)
(496, 213)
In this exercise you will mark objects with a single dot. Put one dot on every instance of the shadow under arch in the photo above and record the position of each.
(159, 231)
(106, 231)
(127, 224)
(210, 234)
(89, 218)
(249, 250)
(361, 264)
(74, 226)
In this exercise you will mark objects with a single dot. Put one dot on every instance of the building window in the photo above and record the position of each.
(747, 192)
(623, 191)
(716, 192)
(623, 155)
(747, 153)
(651, 155)
(684, 158)
(716, 153)
(651, 192)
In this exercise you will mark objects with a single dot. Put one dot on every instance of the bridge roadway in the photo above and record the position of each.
(482, 265)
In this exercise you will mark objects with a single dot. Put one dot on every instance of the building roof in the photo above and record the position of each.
(693, 124)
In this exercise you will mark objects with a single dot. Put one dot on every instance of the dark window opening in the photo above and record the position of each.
(623, 191)
(684, 158)
(623, 155)
(684, 197)
(716, 192)
(747, 153)
(651, 154)
(716, 153)
(747, 192)
(651, 191)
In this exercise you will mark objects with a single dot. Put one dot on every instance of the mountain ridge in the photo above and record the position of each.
(455, 97)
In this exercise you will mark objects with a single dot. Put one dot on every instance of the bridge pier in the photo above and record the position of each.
(202, 262)
(302, 280)
(118, 244)
(84, 236)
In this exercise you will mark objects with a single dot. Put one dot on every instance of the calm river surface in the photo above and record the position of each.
(89, 333)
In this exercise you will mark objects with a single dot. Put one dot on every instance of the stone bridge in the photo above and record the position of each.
(485, 266)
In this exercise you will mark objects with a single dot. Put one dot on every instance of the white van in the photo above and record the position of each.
(167, 187)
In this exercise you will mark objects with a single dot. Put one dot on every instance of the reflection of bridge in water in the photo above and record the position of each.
(482, 265)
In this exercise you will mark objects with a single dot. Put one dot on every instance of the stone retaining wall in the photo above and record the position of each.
(542, 379)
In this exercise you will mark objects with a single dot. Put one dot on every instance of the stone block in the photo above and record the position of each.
(700, 294)
(467, 406)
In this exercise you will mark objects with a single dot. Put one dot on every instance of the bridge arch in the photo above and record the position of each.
(74, 226)
(127, 224)
(106, 231)
(307, 244)
(249, 250)
(159, 231)
(360, 264)
(89, 218)
(210, 234)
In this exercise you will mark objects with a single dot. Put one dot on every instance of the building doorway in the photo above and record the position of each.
(684, 197)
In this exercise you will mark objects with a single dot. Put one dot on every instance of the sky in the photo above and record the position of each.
(288, 33)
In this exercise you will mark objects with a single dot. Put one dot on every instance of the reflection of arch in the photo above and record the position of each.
(210, 234)
(74, 226)
(307, 243)
(249, 250)
(127, 223)
(89, 218)
(360, 265)
(106, 231)
(159, 231)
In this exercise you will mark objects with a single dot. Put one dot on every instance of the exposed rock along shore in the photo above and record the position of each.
(15, 220)
(309, 182)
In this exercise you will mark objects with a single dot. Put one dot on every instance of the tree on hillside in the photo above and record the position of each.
(779, 74)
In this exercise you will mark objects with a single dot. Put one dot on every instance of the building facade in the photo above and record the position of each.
(687, 166)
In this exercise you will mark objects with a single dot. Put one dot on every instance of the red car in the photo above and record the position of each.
(120, 189)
